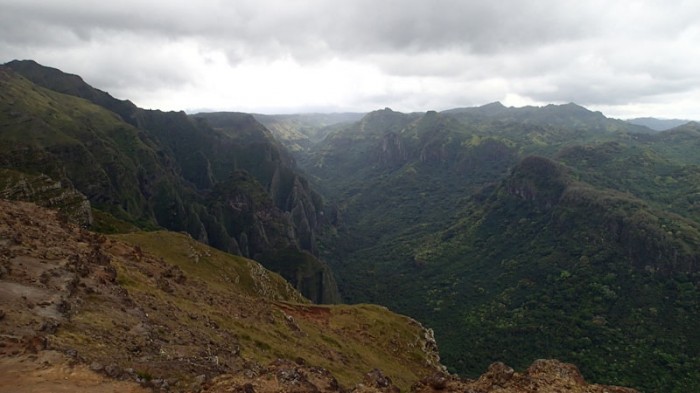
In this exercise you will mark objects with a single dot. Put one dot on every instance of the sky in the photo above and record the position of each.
(624, 58)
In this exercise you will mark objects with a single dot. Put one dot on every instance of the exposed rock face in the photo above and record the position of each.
(393, 151)
(46, 192)
(254, 227)
(543, 376)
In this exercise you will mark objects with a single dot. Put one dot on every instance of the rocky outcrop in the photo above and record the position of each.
(46, 192)
(543, 376)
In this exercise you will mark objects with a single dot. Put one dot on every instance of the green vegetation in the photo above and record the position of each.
(267, 317)
(584, 256)
(153, 169)
(516, 233)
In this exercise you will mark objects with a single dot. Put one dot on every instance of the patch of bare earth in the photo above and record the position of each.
(52, 372)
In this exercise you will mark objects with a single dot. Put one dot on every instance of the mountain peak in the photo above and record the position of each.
(492, 105)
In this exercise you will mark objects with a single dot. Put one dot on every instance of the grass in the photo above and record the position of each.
(225, 290)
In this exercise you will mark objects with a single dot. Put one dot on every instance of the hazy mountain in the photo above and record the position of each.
(570, 116)
(657, 124)
(298, 132)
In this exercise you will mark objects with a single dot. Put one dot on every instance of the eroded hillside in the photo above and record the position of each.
(160, 306)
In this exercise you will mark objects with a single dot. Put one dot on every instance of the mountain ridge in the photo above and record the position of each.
(159, 172)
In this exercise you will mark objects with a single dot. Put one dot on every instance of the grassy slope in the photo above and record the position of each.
(270, 320)
(69, 138)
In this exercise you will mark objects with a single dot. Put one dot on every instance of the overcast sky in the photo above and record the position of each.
(624, 58)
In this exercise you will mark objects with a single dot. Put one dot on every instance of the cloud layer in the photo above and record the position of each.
(626, 58)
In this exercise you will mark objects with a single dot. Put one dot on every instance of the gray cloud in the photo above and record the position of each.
(594, 52)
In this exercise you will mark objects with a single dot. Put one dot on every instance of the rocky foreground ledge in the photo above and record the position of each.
(50, 371)
(543, 376)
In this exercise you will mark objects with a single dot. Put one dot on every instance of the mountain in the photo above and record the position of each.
(297, 132)
(165, 169)
(518, 233)
(657, 124)
(550, 266)
(568, 115)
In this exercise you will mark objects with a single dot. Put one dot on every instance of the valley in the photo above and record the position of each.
(503, 234)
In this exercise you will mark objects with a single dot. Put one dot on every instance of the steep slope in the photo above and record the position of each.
(70, 140)
(159, 168)
(544, 265)
(163, 309)
(394, 178)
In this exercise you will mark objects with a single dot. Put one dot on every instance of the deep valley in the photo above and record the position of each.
(231, 251)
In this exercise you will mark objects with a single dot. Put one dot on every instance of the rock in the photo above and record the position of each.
(437, 381)
(377, 379)
(113, 370)
(96, 366)
(34, 344)
(198, 383)
(552, 368)
(498, 374)
(49, 326)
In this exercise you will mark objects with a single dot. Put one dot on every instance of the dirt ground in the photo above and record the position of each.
(51, 372)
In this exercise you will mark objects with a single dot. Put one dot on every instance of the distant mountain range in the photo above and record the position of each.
(658, 124)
